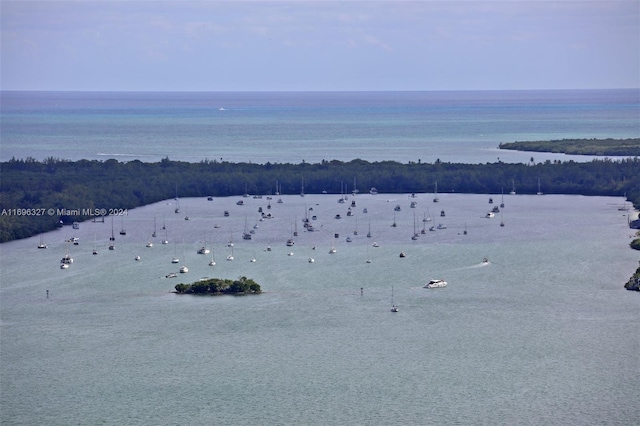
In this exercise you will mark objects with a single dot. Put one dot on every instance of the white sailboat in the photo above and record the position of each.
(42, 245)
(513, 187)
(212, 262)
(183, 268)
(175, 258)
(539, 191)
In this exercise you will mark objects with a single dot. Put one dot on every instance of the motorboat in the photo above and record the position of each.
(435, 284)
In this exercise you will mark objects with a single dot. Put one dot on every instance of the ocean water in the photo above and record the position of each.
(542, 334)
(261, 127)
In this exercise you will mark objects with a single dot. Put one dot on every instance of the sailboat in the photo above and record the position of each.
(204, 249)
(332, 250)
(415, 234)
(513, 187)
(394, 308)
(302, 188)
(122, 230)
(290, 241)
(539, 191)
(278, 192)
(42, 245)
(175, 258)
(435, 194)
(502, 198)
(368, 257)
(155, 234)
(230, 256)
(112, 245)
(177, 210)
(95, 251)
(213, 257)
(113, 238)
(369, 232)
(183, 268)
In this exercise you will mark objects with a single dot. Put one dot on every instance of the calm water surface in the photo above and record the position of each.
(260, 127)
(542, 334)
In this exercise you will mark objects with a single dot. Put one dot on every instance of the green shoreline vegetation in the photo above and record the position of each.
(219, 286)
(38, 196)
(634, 282)
(601, 147)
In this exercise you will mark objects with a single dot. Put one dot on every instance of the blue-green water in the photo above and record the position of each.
(542, 334)
(464, 127)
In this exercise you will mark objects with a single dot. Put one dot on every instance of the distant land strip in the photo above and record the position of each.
(38, 196)
(602, 147)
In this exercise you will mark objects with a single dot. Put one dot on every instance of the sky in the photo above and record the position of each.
(143, 45)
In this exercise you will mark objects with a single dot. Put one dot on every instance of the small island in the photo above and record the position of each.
(634, 282)
(601, 147)
(219, 286)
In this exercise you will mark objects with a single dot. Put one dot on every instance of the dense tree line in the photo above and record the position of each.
(214, 286)
(90, 184)
(610, 147)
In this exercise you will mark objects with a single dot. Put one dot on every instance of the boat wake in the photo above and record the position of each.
(478, 265)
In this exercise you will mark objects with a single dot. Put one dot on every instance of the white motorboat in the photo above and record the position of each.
(435, 284)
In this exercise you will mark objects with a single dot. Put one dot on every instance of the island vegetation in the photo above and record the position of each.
(219, 286)
(37, 196)
(601, 147)
(634, 281)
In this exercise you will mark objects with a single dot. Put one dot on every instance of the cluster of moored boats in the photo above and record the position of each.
(66, 261)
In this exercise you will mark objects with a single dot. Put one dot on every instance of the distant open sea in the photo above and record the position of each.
(260, 127)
